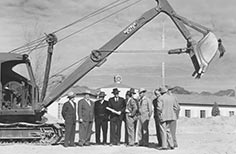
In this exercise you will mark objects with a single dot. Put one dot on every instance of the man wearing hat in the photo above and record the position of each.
(69, 115)
(173, 124)
(131, 110)
(101, 117)
(166, 109)
(117, 106)
(86, 115)
(155, 104)
(145, 111)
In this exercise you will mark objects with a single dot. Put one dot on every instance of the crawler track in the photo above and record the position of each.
(42, 134)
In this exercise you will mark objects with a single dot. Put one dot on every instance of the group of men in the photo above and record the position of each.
(116, 110)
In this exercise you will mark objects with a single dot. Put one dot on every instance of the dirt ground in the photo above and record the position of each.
(195, 136)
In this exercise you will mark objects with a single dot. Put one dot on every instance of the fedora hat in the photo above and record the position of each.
(163, 89)
(142, 90)
(132, 91)
(115, 91)
(71, 95)
(129, 93)
(102, 94)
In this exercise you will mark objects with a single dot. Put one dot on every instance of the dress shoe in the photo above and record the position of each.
(130, 145)
(80, 144)
(72, 145)
(66, 146)
(162, 148)
(87, 144)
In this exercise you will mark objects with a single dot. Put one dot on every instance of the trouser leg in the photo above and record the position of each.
(89, 131)
(169, 136)
(140, 132)
(126, 132)
(68, 127)
(135, 129)
(97, 130)
(112, 131)
(173, 126)
(130, 130)
(145, 132)
(164, 135)
(118, 134)
(104, 130)
(158, 131)
(83, 127)
(72, 134)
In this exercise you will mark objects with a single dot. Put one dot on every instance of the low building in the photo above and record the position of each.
(199, 106)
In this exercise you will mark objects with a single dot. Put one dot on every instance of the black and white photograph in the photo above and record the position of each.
(117, 76)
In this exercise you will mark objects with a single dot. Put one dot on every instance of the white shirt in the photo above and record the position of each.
(72, 103)
(88, 101)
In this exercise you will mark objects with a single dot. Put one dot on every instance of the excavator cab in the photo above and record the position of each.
(19, 92)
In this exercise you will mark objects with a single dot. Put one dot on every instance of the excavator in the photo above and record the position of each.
(21, 108)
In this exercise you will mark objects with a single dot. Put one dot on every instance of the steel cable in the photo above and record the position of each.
(26, 47)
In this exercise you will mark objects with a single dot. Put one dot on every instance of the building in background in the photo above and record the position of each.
(200, 106)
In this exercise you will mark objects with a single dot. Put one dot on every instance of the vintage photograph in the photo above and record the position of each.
(117, 76)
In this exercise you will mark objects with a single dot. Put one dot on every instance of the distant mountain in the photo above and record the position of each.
(228, 92)
(181, 90)
(176, 90)
(205, 93)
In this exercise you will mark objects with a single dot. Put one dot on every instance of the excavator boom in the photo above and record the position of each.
(198, 51)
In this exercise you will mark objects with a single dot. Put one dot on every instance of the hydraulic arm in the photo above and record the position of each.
(201, 52)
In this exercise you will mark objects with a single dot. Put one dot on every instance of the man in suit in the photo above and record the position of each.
(166, 109)
(131, 110)
(145, 111)
(69, 115)
(173, 124)
(155, 104)
(86, 115)
(101, 118)
(116, 105)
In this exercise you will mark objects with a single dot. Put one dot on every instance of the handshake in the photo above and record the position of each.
(113, 111)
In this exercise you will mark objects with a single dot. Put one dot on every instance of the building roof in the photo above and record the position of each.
(200, 100)
(117, 85)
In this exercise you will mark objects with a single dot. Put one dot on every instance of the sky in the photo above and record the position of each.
(25, 20)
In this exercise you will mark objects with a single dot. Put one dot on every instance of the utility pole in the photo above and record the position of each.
(163, 73)
(163, 48)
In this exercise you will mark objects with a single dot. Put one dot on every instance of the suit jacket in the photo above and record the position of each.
(85, 111)
(155, 104)
(118, 106)
(131, 106)
(145, 108)
(168, 107)
(69, 112)
(100, 110)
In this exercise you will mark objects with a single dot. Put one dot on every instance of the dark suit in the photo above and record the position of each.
(86, 113)
(157, 120)
(69, 115)
(116, 120)
(101, 120)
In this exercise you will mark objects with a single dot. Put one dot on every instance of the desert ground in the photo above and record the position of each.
(215, 135)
